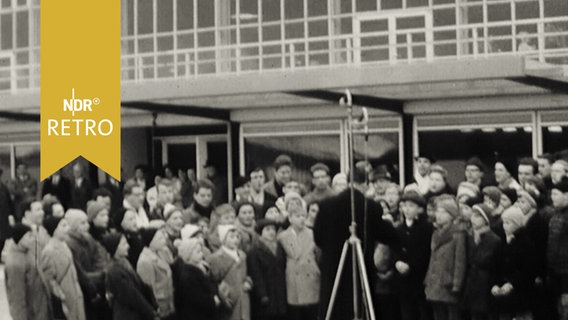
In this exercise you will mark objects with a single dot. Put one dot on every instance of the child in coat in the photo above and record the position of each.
(267, 268)
(484, 251)
(302, 271)
(223, 215)
(446, 270)
(515, 287)
(229, 271)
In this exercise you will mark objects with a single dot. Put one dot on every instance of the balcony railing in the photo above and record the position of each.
(548, 44)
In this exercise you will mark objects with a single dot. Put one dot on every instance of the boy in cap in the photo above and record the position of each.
(229, 271)
(557, 251)
(446, 270)
(483, 252)
(302, 271)
(415, 233)
(321, 181)
(57, 269)
(474, 172)
(27, 296)
(514, 291)
(267, 268)
(131, 297)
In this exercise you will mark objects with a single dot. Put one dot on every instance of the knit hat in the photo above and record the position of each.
(514, 215)
(223, 230)
(338, 177)
(469, 189)
(511, 194)
(561, 186)
(169, 209)
(50, 224)
(18, 231)
(240, 182)
(186, 247)
(473, 201)
(111, 242)
(475, 161)
(483, 210)
(493, 193)
(381, 172)
(262, 223)
(531, 198)
(93, 209)
(415, 197)
(291, 196)
(448, 204)
(441, 170)
(189, 231)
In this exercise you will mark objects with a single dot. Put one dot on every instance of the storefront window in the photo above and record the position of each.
(554, 138)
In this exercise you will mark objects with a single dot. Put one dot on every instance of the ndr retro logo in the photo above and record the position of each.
(79, 127)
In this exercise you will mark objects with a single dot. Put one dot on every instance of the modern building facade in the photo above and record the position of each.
(240, 81)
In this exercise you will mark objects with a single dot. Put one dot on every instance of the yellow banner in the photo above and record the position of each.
(80, 84)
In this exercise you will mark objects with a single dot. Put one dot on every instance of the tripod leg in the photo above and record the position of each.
(365, 282)
(337, 280)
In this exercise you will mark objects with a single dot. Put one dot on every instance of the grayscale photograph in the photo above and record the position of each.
(299, 160)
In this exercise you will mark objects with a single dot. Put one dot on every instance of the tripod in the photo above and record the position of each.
(359, 271)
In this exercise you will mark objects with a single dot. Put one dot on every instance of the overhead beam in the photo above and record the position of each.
(20, 116)
(186, 110)
(386, 104)
(554, 85)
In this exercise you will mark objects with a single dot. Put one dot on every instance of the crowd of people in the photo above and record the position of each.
(172, 247)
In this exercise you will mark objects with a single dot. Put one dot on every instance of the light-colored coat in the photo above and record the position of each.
(157, 273)
(225, 269)
(302, 271)
(56, 264)
(27, 295)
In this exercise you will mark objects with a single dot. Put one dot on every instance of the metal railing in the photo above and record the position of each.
(547, 44)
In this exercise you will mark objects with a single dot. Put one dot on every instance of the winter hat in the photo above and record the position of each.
(511, 194)
(93, 209)
(473, 201)
(223, 230)
(240, 182)
(147, 235)
(187, 246)
(531, 198)
(469, 189)
(288, 197)
(338, 178)
(413, 196)
(262, 223)
(475, 161)
(483, 210)
(449, 204)
(381, 172)
(441, 170)
(514, 215)
(319, 166)
(50, 224)
(111, 242)
(189, 231)
(493, 193)
(18, 231)
(169, 209)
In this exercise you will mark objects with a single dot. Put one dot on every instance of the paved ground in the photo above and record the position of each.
(4, 314)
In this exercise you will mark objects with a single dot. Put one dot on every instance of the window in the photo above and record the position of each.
(554, 131)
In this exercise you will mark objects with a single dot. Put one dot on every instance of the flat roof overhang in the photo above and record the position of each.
(383, 86)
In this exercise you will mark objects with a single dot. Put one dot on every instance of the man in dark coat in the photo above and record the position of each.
(81, 189)
(58, 186)
(6, 210)
(331, 229)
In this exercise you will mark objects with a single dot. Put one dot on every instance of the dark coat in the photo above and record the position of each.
(518, 267)
(131, 298)
(331, 230)
(274, 189)
(6, 209)
(136, 246)
(446, 270)
(62, 190)
(557, 251)
(415, 251)
(81, 194)
(194, 293)
(116, 192)
(537, 230)
(482, 271)
(268, 273)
